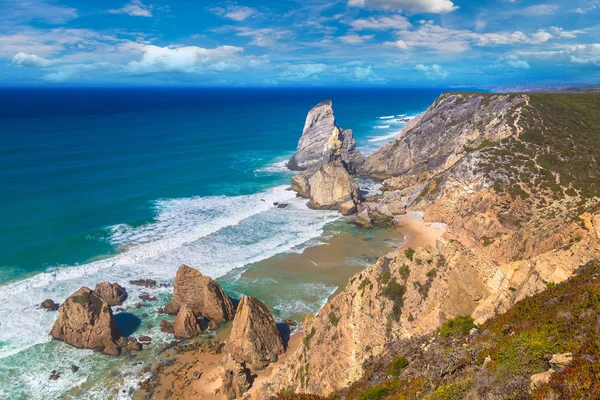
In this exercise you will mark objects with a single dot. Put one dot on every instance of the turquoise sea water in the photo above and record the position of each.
(116, 184)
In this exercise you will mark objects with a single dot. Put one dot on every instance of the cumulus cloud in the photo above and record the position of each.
(583, 55)
(355, 39)
(381, 23)
(189, 59)
(32, 61)
(235, 12)
(432, 72)
(135, 9)
(514, 61)
(414, 6)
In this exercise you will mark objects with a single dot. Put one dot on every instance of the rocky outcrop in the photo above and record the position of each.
(85, 320)
(315, 146)
(202, 294)
(236, 378)
(113, 293)
(327, 187)
(254, 337)
(49, 305)
(186, 324)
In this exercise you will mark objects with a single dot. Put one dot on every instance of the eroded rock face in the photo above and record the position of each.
(202, 294)
(86, 321)
(254, 337)
(315, 145)
(236, 379)
(186, 325)
(327, 187)
(113, 293)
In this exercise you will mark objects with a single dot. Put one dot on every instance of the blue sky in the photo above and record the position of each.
(299, 42)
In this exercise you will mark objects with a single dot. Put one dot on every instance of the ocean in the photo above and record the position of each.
(114, 184)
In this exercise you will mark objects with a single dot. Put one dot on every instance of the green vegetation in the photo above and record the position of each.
(333, 319)
(404, 271)
(395, 292)
(453, 391)
(423, 289)
(398, 365)
(409, 253)
(307, 338)
(374, 393)
(457, 326)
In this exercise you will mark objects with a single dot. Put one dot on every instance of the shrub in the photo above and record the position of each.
(398, 365)
(374, 393)
(395, 292)
(409, 253)
(333, 319)
(458, 326)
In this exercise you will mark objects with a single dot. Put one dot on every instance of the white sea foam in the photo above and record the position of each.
(382, 138)
(215, 234)
(382, 127)
(387, 117)
(278, 166)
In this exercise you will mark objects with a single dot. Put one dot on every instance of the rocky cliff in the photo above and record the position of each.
(516, 181)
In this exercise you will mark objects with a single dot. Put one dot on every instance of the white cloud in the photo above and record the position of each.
(381, 23)
(188, 59)
(414, 6)
(448, 40)
(13, 12)
(398, 44)
(560, 32)
(135, 9)
(355, 39)
(513, 61)
(579, 54)
(32, 61)
(235, 12)
(538, 9)
(432, 72)
(302, 71)
(263, 37)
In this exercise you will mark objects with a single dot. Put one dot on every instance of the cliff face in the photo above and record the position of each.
(316, 146)
(516, 180)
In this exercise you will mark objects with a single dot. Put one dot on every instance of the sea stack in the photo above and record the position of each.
(202, 295)
(85, 320)
(254, 337)
(314, 147)
(113, 293)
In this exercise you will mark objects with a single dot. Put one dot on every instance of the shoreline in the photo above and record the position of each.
(178, 379)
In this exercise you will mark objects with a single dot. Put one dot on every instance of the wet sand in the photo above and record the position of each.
(195, 375)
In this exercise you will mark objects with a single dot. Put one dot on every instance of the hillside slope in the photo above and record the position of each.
(516, 180)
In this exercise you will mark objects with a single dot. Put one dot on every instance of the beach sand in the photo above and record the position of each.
(194, 375)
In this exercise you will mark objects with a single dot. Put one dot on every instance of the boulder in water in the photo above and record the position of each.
(49, 305)
(113, 293)
(85, 320)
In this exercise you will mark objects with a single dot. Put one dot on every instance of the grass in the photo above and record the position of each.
(398, 365)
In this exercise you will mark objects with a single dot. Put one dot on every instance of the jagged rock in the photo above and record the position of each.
(314, 147)
(111, 348)
(49, 305)
(186, 325)
(133, 344)
(145, 339)
(113, 293)
(74, 368)
(374, 214)
(254, 337)
(149, 283)
(348, 208)
(85, 320)
(147, 297)
(202, 294)
(166, 327)
(236, 379)
(363, 220)
(54, 375)
(327, 187)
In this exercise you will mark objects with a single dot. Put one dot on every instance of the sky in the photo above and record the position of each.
(401, 43)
